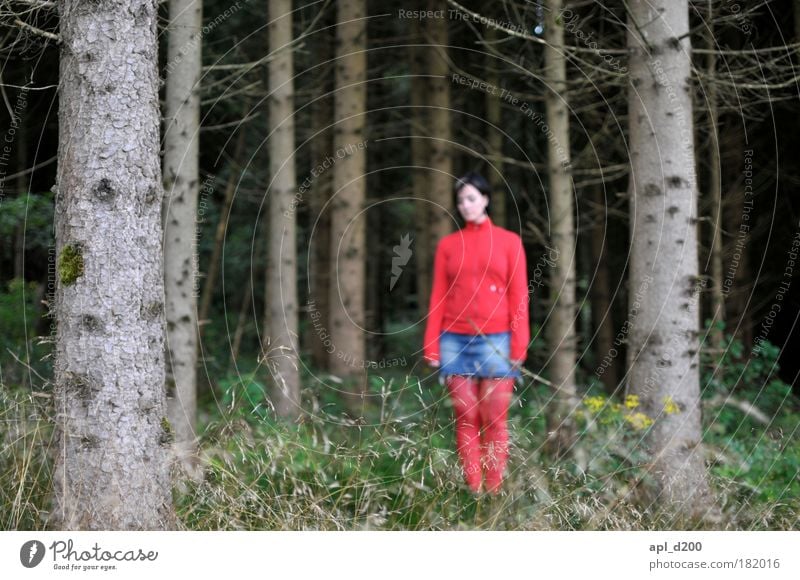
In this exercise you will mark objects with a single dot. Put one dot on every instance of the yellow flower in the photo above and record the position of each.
(594, 404)
(638, 420)
(670, 406)
(631, 401)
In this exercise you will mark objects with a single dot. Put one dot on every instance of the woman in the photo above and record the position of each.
(478, 330)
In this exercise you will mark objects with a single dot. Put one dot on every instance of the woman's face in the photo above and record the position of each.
(471, 203)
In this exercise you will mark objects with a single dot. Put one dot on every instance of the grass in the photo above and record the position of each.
(395, 469)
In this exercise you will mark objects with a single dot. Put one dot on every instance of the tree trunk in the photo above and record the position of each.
(715, 190)
(663, 340)
(420, 155)
(606, 352)
(283, 355)
(349, 186)
(440, 161)
(181, 184)
(561, 330)
(112, 469)
(321, 186)
(494, 138)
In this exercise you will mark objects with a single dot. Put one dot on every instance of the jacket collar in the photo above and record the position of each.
(485, 225)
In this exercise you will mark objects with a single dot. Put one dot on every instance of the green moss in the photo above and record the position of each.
(166, 431)
(70, 265)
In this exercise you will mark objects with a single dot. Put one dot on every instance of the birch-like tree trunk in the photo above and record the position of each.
(663, 340)
(348, 231)
(181, 185)
(112, 468)
(282, 360)
(561, 330)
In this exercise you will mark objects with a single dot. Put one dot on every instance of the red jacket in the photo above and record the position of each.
(480, 276)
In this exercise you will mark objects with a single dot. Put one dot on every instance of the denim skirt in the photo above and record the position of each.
(484, 356)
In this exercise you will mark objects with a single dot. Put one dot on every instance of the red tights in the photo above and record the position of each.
(481, 403)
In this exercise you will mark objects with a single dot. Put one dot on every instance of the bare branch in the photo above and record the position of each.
(37, 31)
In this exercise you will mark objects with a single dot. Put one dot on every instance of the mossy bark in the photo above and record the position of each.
(112, 468)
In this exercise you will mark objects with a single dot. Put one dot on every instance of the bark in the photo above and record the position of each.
(349, 187)
(321, 191)
(606, 352)
(181, 185)
(715, 191)
(420, 155)
(283, 355)
(561, 330)
(494, 137)
(664, 283)
(442, 212)
(269, 287)
(112, 468)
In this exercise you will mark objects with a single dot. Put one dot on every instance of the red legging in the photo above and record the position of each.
(481, 403)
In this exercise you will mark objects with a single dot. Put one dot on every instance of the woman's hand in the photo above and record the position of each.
(433, 363)
(516, 364)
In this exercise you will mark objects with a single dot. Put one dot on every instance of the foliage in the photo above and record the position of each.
(17, 313)
(35, 212)
(751, 423)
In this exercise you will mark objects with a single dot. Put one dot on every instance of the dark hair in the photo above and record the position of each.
(477, 181)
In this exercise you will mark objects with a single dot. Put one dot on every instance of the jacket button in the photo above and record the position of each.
(493, 288)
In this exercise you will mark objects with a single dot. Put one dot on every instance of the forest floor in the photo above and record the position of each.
(395, 467)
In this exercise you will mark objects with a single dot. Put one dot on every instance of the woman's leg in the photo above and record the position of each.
(495, 398)
(464, 392)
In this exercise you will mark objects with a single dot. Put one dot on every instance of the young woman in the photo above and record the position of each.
(478, 330)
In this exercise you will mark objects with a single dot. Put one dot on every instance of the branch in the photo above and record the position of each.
(491, 23)
(37, 31)
(38, 3)
(744, 406)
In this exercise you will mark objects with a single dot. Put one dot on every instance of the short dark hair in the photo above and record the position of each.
(477, 181)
